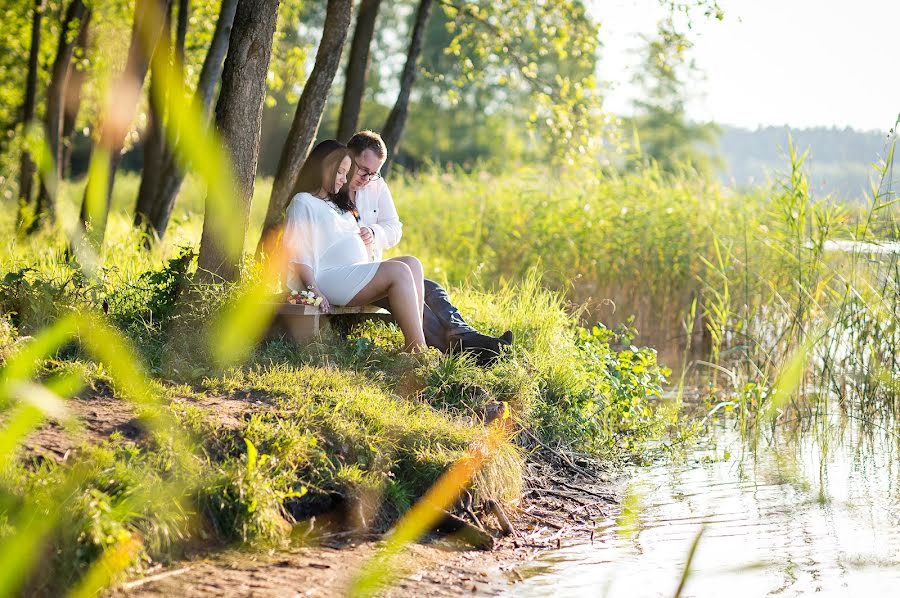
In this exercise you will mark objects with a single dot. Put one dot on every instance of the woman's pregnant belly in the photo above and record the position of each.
(347, 250)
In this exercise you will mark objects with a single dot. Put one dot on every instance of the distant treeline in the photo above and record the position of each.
(839, 161)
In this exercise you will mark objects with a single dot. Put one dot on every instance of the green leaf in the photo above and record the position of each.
(251, 455)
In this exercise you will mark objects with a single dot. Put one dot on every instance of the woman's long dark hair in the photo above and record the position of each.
(320, 171)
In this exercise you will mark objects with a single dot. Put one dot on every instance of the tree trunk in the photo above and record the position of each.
(357, 68)
(239, 122)
(27, 166)
(154, 135)
(309, 111)
(172, 175)
(149, 20)
(396, 121)
(184, 11)
(72, 103)
(77, 15)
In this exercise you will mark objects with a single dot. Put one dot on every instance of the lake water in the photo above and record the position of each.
(847, 246)
(811, 513)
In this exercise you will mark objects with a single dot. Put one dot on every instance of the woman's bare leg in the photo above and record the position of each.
(418, 273)
(395, 280)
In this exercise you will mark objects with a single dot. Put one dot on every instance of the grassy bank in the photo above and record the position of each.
(150, 447)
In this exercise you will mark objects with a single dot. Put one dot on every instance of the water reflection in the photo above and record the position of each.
(796, 512)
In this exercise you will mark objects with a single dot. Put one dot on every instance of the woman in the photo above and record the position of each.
(327, 255)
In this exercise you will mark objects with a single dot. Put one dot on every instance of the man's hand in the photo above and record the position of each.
(367, 235)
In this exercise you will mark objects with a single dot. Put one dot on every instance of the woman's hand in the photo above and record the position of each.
(324, 307)
(367, 235)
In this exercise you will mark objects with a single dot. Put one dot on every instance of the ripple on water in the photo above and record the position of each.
(786, 519)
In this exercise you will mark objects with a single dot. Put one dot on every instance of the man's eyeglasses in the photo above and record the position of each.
(368, 175)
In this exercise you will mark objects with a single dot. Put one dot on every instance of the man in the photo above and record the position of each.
(380, 229)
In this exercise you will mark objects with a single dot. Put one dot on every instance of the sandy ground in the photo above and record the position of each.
(437, 569)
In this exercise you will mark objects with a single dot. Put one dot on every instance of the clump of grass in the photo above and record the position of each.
(9, 337)
(245, 500)
(115, 501)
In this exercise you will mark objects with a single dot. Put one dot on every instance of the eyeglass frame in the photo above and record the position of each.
(368, 175)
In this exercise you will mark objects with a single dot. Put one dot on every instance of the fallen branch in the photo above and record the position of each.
(562, 494)
(608, 497)
(139, 582)
(494, 507)
(543, 520)
(465, 531)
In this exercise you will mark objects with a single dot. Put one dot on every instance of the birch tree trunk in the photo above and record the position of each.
(154, 135)
(396, 121)
(27, 167)
(72, 99)
(171, 175)
(77, 15)
(149, 19)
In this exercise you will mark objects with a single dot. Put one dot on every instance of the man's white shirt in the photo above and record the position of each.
(376, 210)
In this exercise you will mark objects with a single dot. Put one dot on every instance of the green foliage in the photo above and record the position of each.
(245, 501)
(141, 307)
(115, 501)
(348, 418)
(664, 134)
(610, 410)
(764, 268)
(627, 244)
(539, 57)
(15, 39)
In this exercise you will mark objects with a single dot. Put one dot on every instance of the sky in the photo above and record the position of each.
(800, 63)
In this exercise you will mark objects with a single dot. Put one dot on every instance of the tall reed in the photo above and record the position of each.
(758, 271)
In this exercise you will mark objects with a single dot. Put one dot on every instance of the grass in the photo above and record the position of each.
(346, 426)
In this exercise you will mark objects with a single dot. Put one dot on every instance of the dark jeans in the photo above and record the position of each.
(442, 319)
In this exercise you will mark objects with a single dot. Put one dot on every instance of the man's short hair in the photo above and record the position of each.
(367, 140)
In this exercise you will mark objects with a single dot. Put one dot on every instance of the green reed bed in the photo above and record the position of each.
(744, 279)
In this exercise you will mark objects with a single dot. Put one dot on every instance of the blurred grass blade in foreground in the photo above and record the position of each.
(423, 516)
(240, 325)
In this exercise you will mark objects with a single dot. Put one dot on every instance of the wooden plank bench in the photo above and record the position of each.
(303, 323)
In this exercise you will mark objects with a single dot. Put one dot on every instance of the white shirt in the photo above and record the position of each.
(377, 211)
(318, 235)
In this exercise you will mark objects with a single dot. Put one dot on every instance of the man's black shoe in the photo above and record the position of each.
(485, 348)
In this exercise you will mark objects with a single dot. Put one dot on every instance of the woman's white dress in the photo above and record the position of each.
(317, 234)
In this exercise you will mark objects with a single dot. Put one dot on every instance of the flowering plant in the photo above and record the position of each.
(307, 297)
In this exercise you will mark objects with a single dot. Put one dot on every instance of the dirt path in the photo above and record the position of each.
(100, 414)
(327, 571)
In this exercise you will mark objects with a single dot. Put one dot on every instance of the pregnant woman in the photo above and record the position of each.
(327, 255)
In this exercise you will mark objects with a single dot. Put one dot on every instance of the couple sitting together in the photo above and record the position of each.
(342, 217)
